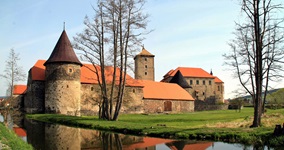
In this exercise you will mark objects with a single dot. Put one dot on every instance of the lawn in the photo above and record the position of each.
(223, 125)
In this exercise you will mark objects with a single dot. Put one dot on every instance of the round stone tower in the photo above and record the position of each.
(144, 65)
(62, 79)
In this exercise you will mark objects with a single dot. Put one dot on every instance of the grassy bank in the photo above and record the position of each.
(222, 125)
(9, 140)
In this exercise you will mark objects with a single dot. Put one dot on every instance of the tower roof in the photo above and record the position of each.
(63, 52)
(179, 79)
(144, 52)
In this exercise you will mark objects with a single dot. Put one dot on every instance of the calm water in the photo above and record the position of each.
(45, 136)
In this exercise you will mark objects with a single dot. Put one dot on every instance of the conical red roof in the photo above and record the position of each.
(63, 52)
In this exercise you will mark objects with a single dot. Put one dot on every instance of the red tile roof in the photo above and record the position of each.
(20, 132)
(19, 89)
(63, 51)
(190, 72)
(38, 71)
(144, 52)
(87, 74)
(162, 90)
(217, 80)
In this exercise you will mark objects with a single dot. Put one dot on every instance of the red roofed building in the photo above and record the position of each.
(17, 100)
(19, 89)
(204, 85)
(62, 84)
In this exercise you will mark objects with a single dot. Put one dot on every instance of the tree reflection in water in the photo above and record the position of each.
(111, 141)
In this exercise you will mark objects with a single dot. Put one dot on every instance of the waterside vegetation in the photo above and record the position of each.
(9, 140)
(221, 125)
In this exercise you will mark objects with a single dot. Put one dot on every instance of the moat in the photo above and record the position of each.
(44, 136)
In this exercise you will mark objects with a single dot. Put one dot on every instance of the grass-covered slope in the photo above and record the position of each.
(9, 140)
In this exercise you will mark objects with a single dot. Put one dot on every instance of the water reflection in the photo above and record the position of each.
(63, 137)
(45, 136)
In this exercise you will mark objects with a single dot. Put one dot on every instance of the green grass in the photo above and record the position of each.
(10, 140)
(223, 125)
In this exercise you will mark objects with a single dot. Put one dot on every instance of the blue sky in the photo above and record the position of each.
(187, 33)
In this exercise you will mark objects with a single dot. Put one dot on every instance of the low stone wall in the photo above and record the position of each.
(200, 105)
(177, 106)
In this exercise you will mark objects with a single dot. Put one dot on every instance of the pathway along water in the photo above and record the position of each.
(44, 136)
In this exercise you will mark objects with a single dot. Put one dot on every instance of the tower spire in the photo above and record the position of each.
(63, 25)
(211, 73)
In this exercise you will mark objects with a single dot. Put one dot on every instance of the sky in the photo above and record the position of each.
(186, 33)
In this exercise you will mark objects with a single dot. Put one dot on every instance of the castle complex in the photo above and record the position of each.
(62, 84)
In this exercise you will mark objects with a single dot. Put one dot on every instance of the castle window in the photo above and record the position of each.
(146, 66)
(92, 88)
(203, 82)
(190, 82)
(197, 82)
(210, 82)
(203, 93)
(218, 88)
(67, 86)
(145, 59)
(133, 90)
(146, 73)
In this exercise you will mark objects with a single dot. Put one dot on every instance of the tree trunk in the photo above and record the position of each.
(258, 73)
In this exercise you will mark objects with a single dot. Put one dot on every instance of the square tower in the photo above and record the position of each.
(144, 65)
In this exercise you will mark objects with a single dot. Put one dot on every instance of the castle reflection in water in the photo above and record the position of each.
(46, 136)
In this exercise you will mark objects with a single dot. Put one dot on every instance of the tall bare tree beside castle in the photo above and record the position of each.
(108, 40)
(257, 51)
(13, 73)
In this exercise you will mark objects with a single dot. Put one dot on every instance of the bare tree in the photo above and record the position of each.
(13, 73)
(257, 51)
(108, 40)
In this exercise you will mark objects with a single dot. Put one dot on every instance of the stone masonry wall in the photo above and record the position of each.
(219, 92)
(200, 105)
(90, 99)
(34, 98)
(144, 67)
(202, 88)
(63, 89)
(157, 106)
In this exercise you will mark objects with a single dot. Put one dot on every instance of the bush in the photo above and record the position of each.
(276, 141)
